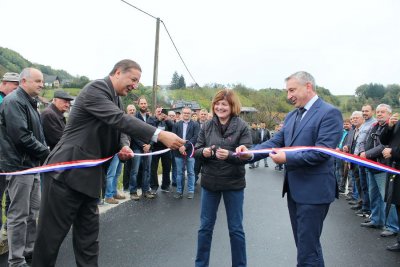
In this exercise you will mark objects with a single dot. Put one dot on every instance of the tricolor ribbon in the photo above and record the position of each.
(76, 164)
(332, 152)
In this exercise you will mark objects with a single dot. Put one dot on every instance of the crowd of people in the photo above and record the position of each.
(366, 189)
(213, 146)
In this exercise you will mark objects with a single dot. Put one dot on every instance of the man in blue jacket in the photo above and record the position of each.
(310, 181)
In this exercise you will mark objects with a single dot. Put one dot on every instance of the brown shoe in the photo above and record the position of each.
(3, 246)
(119, 196)
(111, 200)
(149, 195)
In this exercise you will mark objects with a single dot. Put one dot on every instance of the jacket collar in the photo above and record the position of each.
(30, 99)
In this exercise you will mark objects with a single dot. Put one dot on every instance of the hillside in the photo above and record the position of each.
(14, 62)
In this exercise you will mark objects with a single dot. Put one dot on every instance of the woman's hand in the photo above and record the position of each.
(208, 151)
(222, 154)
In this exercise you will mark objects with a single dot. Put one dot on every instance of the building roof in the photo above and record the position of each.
(179, 104)
(50, 78)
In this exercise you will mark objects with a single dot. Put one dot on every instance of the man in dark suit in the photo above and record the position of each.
(93, 131)
(187, 130)
(309, 182)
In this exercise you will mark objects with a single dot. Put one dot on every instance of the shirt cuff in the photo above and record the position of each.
(154, 138)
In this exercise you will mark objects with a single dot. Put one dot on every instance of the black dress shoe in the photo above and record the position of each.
(388, 233)
(394, 248)
(370, 225)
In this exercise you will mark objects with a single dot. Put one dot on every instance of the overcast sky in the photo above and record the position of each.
(343, 43)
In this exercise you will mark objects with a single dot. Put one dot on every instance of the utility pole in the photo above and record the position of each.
(155, 71)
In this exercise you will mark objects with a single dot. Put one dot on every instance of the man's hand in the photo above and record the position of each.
(240, 149)
(125, 153)
(146, 148)
(182, 150)
(345, 149)
(393, 120)
(387, 153)
(279, 157)
(363, 155)
(222, 154)
(170, 140)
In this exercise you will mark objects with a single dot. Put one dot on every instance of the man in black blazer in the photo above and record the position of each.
(93, 131)
(187, 130)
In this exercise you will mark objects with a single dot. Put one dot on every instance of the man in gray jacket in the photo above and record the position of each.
(22, 147)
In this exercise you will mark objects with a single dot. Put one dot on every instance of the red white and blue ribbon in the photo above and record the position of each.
(60, 166)
(76, 164)
(332, 152)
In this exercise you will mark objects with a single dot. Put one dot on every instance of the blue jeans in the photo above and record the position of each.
(377, 183)
(179, 173)
(355, 193)
(233, 201)
(113, 172)
(146, 164)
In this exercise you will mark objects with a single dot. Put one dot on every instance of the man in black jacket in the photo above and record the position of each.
(162, 122)
(93, 131)
(139, 146)
(22, 147)
(53, 119)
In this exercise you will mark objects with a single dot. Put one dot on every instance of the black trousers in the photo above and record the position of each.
(127, 174)
(166, 169)
(60, 208)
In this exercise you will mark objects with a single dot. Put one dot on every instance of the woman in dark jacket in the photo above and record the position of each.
(222, 174)
(390, 136)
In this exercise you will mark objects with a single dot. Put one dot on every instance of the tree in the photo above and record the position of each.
(181, 82)
(175, 81)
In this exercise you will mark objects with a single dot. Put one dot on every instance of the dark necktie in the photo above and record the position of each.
(300, 112)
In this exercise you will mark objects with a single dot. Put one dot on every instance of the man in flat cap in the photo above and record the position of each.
(8, 84)
(53, 120)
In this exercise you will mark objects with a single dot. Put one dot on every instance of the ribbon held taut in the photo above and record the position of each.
(332, 152)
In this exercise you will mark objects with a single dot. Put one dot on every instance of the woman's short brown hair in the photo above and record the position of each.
(230, 96)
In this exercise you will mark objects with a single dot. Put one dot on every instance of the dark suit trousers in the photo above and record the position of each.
(307, 222)
(166, 169)
(62, 207)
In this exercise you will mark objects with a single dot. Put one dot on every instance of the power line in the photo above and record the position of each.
(170, 37)
(177, 51)
(139, 9)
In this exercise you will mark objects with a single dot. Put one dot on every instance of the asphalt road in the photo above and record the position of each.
(163, 232)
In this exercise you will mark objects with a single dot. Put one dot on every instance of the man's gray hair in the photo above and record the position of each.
(356, 114)
(388, 108)
(303, 77)
(25, 73)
